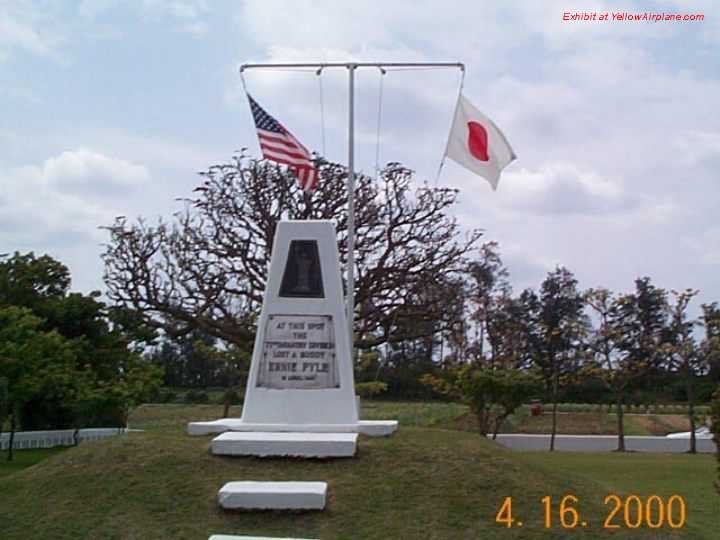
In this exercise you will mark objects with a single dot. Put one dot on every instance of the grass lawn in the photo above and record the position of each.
(24, 458)
(423, 483)
(644, 475)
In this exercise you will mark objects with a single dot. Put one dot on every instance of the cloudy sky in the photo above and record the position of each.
(110, 107)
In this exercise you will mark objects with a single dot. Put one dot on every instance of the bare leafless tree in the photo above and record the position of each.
(206, 269)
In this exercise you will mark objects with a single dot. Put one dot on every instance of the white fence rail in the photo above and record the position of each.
(63, 437)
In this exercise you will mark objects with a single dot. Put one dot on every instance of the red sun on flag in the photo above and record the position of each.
(478, 141)
(477, 144)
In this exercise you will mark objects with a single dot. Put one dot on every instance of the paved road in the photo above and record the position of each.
(602, 443)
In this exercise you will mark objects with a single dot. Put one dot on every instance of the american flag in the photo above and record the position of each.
(278, 144)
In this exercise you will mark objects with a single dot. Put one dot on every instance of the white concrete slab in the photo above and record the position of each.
(273, 495)
(232, 537)
(212, 427)
(265, 444)
(371, 428)
(377, 428)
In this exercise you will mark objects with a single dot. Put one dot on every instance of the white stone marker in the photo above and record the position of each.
(301, 371)
(301, 375)
(263, 444)
(273, 495)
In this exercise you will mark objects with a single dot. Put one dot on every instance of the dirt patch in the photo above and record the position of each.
(568, 424)
(660, 425)
(464, 422)
(578, 424)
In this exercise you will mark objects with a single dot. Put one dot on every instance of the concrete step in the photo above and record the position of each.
(371, 428)
(377, 428)
(266, 444)
(232, 537)
(273, 495)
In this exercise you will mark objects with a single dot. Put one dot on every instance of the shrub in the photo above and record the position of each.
(196, 396)
(369, 389)
(232, 397)
(492, 394)
(166, 396)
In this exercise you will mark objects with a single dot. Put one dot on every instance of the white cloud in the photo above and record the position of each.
(58, 197)
(27, 27)
(84, 168)
(90, 9)
(706, 247)
(613, 123)
(563, 189)
(188, 15)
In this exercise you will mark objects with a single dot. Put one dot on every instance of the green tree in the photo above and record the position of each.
(555, 327)
(33, 362)
(685, 355)
(488, 284)
(710, 345)
(716, 431)
(711, 350)
(643, 325)
(617, 371)
(99, 336)
(507, 323)
(231, 364)
(30, 281)
(628, 342)
(493, 394)
(4, 402)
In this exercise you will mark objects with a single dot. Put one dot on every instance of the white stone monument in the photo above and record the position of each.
(301, 375)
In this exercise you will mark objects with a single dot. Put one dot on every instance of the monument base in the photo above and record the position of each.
(371, 428)
(273, 495)
(305, 445)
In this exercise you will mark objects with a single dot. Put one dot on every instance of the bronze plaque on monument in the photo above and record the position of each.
(302, 277)
(298, 353)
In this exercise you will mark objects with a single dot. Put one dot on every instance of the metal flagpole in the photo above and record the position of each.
(351, 211)
(351, 67)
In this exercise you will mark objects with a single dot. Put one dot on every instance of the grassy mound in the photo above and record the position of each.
(422, 483)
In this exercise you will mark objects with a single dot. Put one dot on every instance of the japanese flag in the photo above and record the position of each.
(477, 144)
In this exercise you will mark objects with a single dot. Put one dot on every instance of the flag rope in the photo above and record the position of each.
(242, 80)
(447, 144)
(322, 110)
(379, 121)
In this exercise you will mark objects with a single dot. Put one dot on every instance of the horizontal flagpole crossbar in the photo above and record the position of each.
(354, 65)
